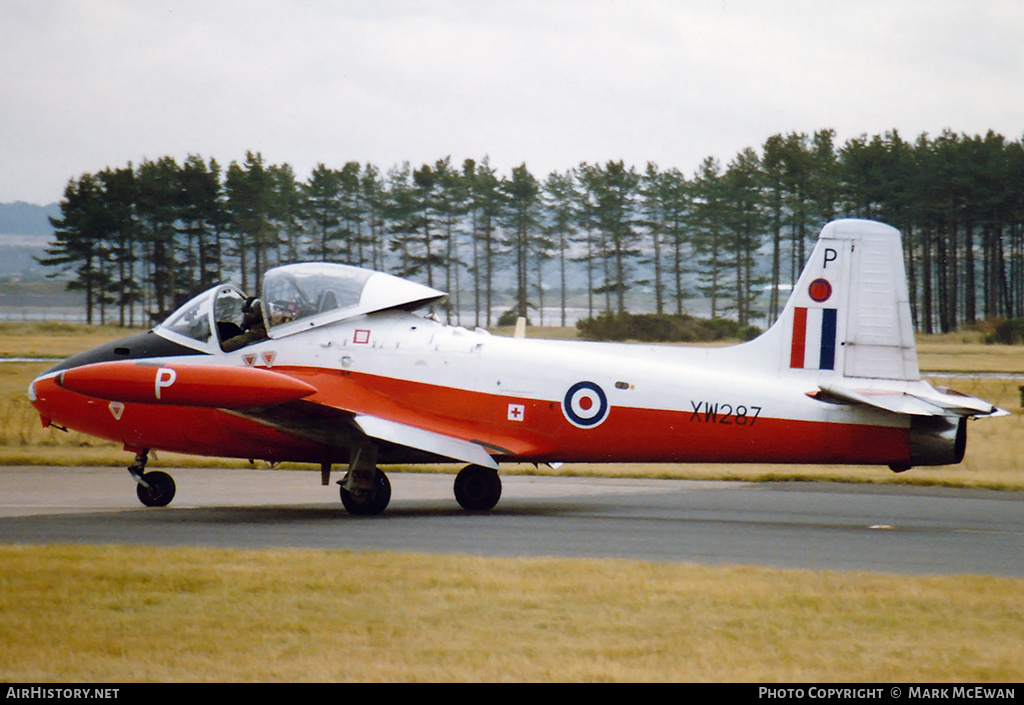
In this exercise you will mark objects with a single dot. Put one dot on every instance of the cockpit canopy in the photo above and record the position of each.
(295, 297)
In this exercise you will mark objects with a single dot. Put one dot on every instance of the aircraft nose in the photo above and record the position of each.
(39, 398)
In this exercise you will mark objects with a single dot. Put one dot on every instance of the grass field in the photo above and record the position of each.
(117, 614)
(136, 614)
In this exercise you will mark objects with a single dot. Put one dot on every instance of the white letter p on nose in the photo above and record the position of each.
(165, 377)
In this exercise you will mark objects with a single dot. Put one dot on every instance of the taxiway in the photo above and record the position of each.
(888, 529)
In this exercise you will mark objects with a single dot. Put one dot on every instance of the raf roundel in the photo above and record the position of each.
(585, 405)
(820, 290)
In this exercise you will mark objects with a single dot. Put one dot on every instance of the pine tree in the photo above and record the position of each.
(522, 193)
(612, 190)
(561, 205)
(709, 229)
(158, 205)
(322, 192)
(79, 240)
(119, 194)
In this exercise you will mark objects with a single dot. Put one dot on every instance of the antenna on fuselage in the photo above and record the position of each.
(520, 328)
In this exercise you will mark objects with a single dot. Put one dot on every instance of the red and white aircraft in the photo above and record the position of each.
(338, 369)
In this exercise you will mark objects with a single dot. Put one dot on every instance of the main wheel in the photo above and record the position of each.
(477, 488)
(362, 502)
(160, 491)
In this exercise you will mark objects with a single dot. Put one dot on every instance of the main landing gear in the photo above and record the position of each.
(477, 488)
(366, 491)
(364, 501)
(155, 489)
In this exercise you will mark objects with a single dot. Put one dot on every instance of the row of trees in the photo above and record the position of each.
(146, 237)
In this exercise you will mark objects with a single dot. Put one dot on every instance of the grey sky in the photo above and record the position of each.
(93, 83)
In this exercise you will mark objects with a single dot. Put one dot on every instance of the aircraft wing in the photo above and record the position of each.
(400, 442)
(421, 439)
(930, 402)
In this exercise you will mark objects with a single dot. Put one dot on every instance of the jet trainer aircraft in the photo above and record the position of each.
(332, 366)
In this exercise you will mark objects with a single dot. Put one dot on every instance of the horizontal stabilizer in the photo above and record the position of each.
(217, 386)
(420, 439)
(930, 402)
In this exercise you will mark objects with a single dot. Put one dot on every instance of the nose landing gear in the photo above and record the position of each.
(154, 489)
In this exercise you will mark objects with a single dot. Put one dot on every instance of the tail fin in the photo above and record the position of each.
(849, 314)
(847, 327)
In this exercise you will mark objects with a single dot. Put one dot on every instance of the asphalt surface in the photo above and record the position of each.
(792, 525)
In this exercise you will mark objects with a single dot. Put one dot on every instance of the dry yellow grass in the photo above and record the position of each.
(55, 338)
(138, 614)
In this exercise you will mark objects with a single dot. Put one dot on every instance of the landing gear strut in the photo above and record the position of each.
(154, 489)
(365, 489)
(477, 488)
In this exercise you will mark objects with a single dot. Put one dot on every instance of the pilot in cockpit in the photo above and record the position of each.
(254, 328)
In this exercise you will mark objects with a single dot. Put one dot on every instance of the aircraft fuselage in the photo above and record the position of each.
(525, 400)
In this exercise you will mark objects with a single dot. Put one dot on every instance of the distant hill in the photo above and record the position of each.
(25, 231)
(27, 219)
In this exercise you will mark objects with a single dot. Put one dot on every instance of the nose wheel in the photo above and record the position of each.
(158, 490)
(154, 489)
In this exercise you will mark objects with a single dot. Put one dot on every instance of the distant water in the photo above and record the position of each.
(46, 314)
